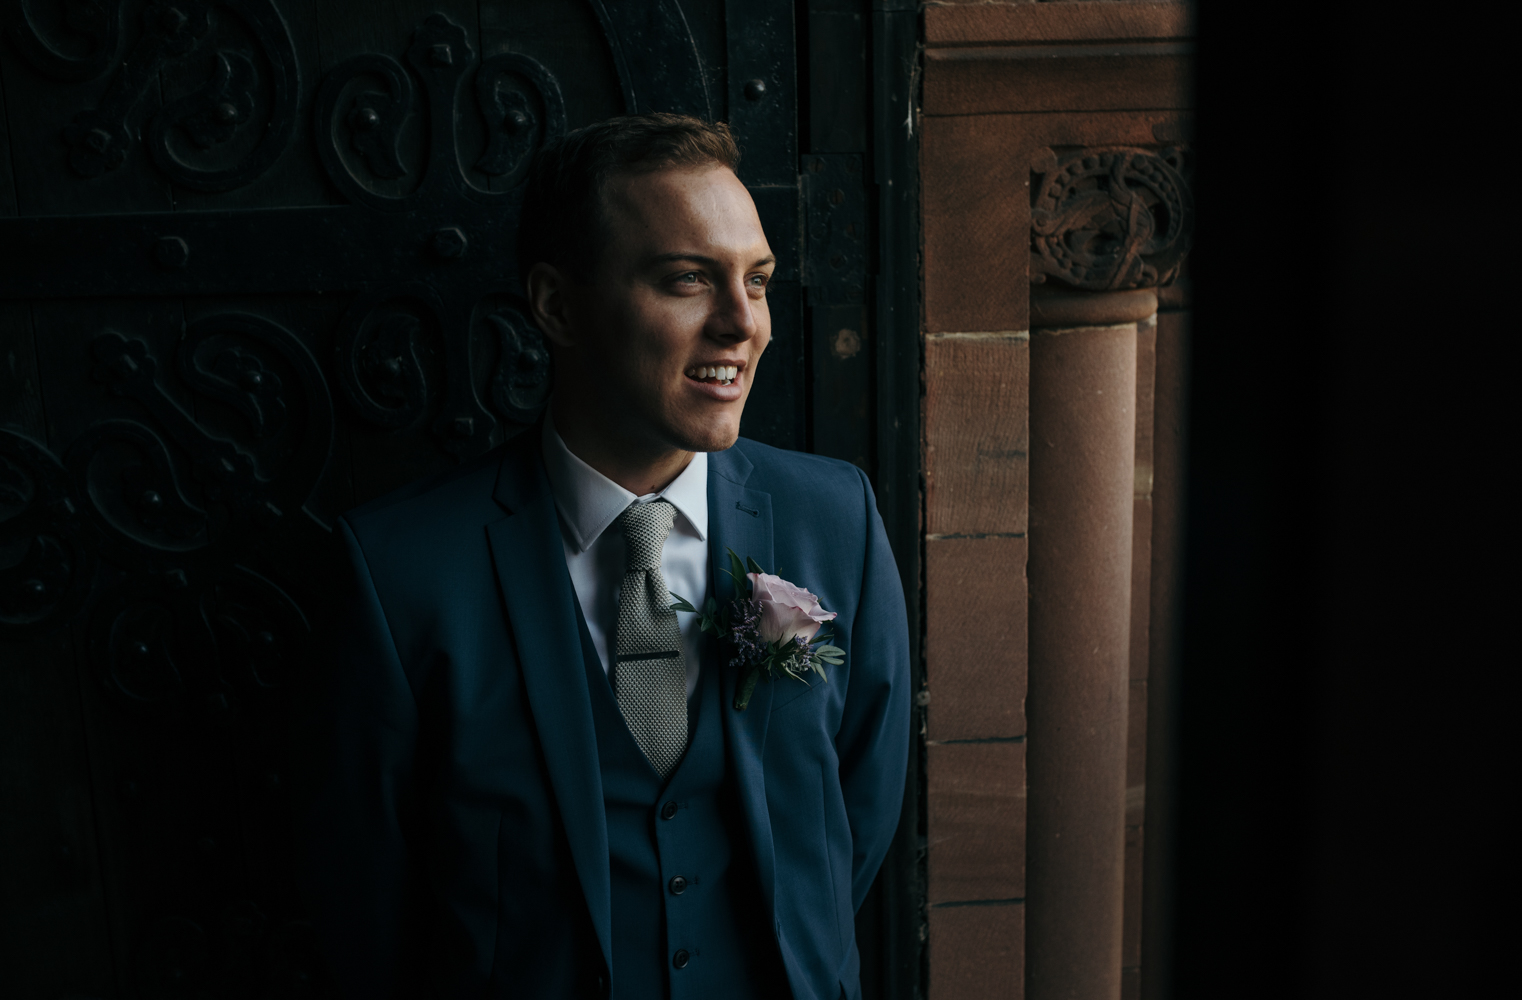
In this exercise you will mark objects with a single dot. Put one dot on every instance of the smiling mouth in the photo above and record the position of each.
(713, 374)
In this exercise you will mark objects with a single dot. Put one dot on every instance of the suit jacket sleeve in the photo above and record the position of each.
(360, 870)
(873, 741)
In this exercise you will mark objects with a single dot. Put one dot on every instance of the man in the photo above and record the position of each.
(537, 780)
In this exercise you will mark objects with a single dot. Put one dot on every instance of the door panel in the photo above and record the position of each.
(53, 918)
(256, 267)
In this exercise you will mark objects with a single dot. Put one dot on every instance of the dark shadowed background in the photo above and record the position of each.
(1344, 678)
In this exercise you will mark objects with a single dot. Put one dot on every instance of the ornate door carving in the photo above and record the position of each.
(258, 267)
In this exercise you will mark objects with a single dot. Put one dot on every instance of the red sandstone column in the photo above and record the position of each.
(1082, 455)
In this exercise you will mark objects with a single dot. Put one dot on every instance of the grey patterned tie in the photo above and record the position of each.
(651, 676)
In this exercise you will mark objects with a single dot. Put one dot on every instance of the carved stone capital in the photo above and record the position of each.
(1109, 218)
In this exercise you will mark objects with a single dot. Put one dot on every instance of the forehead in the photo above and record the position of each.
(698, 208)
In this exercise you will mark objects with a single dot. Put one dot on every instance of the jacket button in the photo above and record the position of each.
(678, 886)
(680, 959)
(668, 811)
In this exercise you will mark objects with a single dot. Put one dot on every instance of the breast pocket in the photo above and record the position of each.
(791, 691)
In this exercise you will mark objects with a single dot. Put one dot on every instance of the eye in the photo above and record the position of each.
(687, 281)
(758, 280)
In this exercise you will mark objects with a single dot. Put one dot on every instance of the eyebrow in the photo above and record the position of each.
(697, 258)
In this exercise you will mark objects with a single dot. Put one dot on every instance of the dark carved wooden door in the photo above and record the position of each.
(256, 266)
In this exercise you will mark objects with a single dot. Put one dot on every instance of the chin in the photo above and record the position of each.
(716, 436)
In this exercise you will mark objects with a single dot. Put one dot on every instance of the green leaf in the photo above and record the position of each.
(754, 566)
(710, 607)
(737, 574)
(682, 604)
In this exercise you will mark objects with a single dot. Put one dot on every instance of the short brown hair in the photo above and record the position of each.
(562, 221)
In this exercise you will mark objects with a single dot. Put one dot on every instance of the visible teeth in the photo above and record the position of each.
(724, 373)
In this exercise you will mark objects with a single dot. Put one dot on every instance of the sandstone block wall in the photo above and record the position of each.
(1008, 89)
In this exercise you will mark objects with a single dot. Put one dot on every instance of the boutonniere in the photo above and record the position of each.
(771, 629)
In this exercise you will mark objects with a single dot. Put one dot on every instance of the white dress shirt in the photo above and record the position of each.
(589, 503)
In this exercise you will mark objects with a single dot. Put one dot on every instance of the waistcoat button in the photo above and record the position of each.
(680, 959)
(668, 811)
(678, 885)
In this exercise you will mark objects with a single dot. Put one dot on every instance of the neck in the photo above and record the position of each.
(641, 467)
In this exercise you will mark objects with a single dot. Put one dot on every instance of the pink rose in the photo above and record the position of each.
(786, 610)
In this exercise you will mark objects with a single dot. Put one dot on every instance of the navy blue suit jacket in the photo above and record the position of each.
(458, 845)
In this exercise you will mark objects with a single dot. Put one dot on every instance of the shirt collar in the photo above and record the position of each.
(589, 501)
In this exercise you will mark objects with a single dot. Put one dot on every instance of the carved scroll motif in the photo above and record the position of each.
(98, 138)
(278, 400)
(388, 347)
(521, 385)
(522, 106)
(374, 120)
(125, 472)
(97, 22)
(140, 649)
(124, 467)
(201, 644)
(213, 115)
(1110, 218)
(160, 495)
(403, 355)
(359, 127)
(45, 568)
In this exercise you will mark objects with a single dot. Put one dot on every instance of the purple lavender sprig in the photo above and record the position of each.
(743, 633)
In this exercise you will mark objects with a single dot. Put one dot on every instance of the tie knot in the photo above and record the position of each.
(646, 526)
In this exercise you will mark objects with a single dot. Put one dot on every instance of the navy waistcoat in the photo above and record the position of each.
(688, 920)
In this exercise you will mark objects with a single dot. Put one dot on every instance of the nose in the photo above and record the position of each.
(736, 317)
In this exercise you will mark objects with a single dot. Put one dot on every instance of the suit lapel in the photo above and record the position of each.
(741, 519)
(529, 560)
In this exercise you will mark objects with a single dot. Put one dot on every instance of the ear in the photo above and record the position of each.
(549, 299)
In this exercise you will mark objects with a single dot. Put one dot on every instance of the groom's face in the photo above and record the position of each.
(674, 318)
